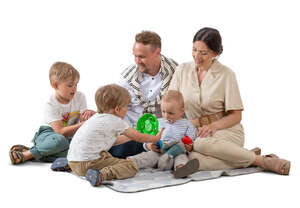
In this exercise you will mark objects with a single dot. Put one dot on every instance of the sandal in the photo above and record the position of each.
(189, 168)
(273, 163)
(61, 164)
(94, 177)
(271, 155)
(19, 147)
(19, 155)
(256, 150)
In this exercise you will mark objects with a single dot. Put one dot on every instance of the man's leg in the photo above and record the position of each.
(127, 149)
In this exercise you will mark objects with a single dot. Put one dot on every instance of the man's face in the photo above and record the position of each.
(147, 58)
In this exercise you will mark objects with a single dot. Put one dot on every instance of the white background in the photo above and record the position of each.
(261, 44)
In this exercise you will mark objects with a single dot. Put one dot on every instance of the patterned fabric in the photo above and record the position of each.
(134, 77)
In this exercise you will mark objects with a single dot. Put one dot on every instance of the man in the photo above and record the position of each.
(146, 81)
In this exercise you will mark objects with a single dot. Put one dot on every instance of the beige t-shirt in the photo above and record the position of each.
(218, 91)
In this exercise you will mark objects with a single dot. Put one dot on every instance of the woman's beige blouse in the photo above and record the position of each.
(218, 90)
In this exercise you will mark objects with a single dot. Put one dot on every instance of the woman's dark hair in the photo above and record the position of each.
(211, 37)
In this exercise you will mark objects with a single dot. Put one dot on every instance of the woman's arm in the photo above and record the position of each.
(234, 117)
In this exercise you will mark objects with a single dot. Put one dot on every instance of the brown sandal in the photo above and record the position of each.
(19, 147)
(256, 150)
(19, 155)
(274, 164)
(271, 155)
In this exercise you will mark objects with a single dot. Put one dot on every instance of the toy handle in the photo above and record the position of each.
(186, 140)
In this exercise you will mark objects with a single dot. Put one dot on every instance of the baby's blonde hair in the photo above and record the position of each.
(110, 96)
(173, 95)
(60, 71)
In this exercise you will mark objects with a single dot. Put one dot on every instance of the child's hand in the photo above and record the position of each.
(158, 136)
(152, 147)
(189, 147)
(85, 115)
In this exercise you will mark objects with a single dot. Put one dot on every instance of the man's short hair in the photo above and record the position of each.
(148, 38)
(110, 96)
(173, 95)
(60, 71)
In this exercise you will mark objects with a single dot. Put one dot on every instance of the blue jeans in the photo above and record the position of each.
(49, 145)
(127, 149)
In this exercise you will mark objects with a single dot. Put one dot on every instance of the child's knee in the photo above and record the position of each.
(60, 142)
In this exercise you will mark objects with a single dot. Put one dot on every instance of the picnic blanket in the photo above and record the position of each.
(148, 179)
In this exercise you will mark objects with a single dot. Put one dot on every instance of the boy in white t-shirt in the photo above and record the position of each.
(88, 154)
(64, 113)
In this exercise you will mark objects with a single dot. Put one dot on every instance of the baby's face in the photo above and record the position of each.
(171, 111)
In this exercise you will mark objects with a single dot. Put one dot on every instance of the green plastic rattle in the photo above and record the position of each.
(147, 124)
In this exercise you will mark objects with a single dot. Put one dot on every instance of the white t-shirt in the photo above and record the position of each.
(97, 134)
(69, 113)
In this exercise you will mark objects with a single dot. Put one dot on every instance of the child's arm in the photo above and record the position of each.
(121, 139)
(67, 131)
(85, 115)
(139, 137)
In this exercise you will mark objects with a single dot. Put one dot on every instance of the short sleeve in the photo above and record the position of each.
(120, 126)
(233, 99)
(51, 113)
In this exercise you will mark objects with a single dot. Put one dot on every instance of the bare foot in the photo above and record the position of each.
(179, 166)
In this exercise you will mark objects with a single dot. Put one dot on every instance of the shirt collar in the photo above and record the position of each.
(215, 68)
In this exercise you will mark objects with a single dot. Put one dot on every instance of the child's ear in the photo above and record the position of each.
(117, 109)
(182, 110)
(54, 85)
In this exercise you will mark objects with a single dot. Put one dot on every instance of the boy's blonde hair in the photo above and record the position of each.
(173, 95)
(60, 71)
(110, 96)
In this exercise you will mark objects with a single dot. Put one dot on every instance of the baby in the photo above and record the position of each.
(176, 128)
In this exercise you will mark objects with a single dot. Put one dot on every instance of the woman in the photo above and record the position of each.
(213, 103)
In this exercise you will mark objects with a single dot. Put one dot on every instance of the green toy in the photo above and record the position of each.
(147, 124)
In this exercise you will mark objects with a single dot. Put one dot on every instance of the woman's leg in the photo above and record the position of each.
(223, 153)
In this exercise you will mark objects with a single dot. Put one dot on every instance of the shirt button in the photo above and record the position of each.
(150, 90)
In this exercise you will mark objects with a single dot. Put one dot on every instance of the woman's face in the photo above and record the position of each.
(203, 56)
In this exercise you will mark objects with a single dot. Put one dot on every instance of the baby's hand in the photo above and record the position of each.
(189, 147)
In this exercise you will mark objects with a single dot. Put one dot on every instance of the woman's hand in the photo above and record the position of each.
(207, 130)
